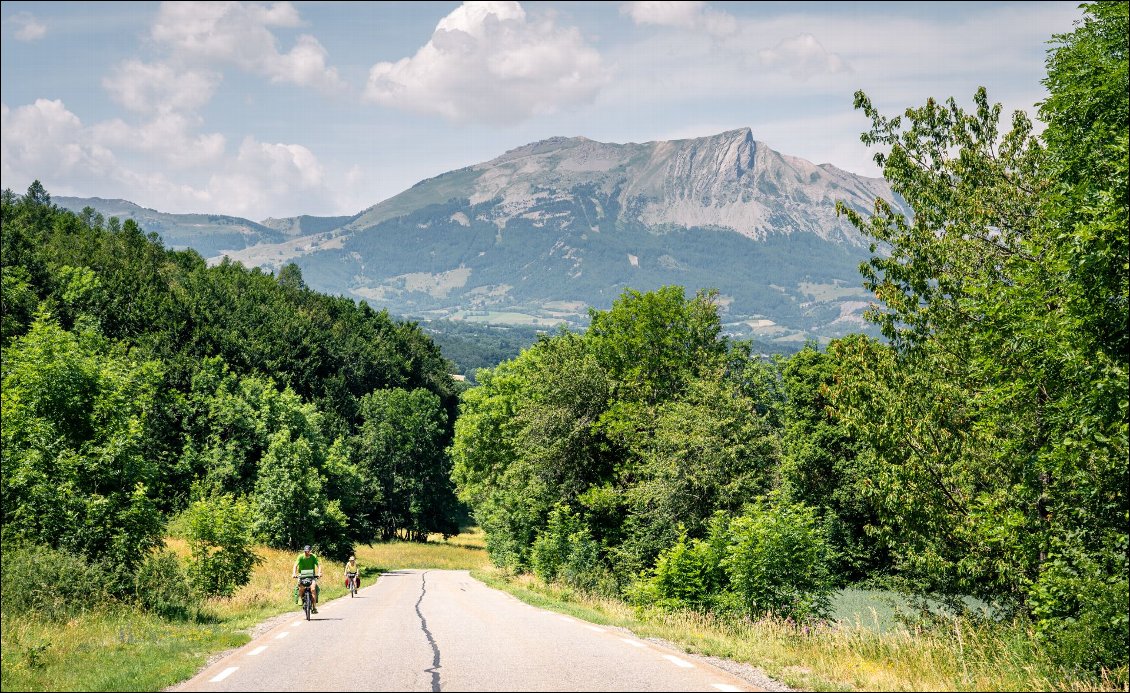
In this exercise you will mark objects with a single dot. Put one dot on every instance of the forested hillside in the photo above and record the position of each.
(980, 451)
(139, 383)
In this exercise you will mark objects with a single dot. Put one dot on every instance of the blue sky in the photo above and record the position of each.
(280, 109)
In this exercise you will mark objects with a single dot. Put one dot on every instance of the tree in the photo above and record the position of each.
(75, 419)
(1000, 413)
(401, 453)
(820, 465)
(220, 535)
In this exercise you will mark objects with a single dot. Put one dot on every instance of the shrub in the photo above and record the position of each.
(565, 550)
(219, 534)
(583, 568)
(777, 561)
(49, 583)
(162, 587)
(1079, 606)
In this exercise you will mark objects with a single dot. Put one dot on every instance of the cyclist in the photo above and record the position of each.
(307, 565)
(352, 571)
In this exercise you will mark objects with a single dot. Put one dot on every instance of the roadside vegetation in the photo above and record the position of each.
(976, 457)
(73, 637)
(959, 654)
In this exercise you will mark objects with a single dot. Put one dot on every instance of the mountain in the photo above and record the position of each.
(542, 232)
(209, 234)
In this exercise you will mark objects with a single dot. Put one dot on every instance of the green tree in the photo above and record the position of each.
(820, 465)
(75, 416)
(289, 502)
(219, 532)
(1000, 413)
(401, 450)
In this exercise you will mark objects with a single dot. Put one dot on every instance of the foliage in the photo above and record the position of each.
(51, 584)
(75, 473)
(565, 551)
(138, 380)
(777, 562)
(219, 533)
(163, 587)
(583, 456)
(820, 465)
(770, 560)
(998, 415)
(402, 458)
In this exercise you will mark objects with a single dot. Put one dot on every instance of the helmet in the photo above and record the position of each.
(306, 548)
(351, 558)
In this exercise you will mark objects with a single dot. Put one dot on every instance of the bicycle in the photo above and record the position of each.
(351, 584)
(305, 583)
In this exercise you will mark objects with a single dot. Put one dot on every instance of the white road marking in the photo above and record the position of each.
(297, 623)
(282, 635)
(725, 687)
(257, 651)
(633, 643)
(565, 618)
(679, 662)
(595, 629)
(223, 674)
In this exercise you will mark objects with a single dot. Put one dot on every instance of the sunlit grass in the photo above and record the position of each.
(966, 657)
(118, 649)
(123, 649)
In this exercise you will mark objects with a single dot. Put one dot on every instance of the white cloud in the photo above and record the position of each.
(159, 88)
(802, 56)
(265, 179)
(46, 141)
(489, 62)
(168, 136)
(29, 28)
(238, 34)
(685, 15)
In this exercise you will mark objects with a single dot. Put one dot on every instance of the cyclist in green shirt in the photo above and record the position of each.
(307, 565)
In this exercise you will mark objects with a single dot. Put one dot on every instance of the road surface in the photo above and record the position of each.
(441, 630)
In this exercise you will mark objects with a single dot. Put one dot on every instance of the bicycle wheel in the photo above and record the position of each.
(307, 603)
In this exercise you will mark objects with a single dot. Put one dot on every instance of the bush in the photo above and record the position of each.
(678, 580)
(777, 562)
(552, 547)
(49, 583)
(219, 534)
(1079, 606)
(162, 587)
(566, 551)
(583, 568)
(772, 560)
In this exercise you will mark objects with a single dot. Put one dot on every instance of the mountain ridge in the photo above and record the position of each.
(544, 230)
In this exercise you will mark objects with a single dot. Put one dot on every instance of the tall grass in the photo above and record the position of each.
(117, 647)
(965, 656)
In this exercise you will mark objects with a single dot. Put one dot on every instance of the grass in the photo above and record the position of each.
(840, 656)
(114, 650)
(123, 649)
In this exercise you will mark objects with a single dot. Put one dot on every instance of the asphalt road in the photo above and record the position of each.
(441, 630)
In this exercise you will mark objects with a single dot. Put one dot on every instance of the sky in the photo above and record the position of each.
(279, 109)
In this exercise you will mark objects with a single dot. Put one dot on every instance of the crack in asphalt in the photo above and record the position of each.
(434, 669)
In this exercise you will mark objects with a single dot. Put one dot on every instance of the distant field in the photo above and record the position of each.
(835, 291)
(878, 610)
(505, 318)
